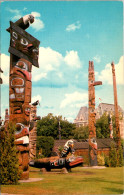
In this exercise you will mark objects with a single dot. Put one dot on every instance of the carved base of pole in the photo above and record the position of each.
(23, 156)
(32, 141)
(93, 151)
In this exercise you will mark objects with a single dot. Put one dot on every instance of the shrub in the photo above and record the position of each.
(100, 160)
(44, 146)
(9, 168)
(60, 149)
(113, 156)
(86, 160)
(120, 155)
(107, 162)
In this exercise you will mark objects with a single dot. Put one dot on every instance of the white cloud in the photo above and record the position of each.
(3, 117)
(15, 11)
(73, 27)
(72, 59)
(5, 63)
(70, 119)
(35, 98)
(97, 58)
(38, 23)
(74, 98)
(36, 14)
(48, 60)
(96, 73)
(51, 60)
(106, 75)
(17, 17)
(60, 75)
(39, 76)
(119, 68)
(78, 105)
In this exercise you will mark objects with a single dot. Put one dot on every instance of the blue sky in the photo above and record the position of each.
(71, 33)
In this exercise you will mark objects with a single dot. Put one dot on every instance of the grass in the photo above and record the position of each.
(79, 181)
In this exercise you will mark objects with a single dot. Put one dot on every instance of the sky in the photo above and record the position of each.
(71, 33)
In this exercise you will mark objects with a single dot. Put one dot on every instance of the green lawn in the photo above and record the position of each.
(79, 181)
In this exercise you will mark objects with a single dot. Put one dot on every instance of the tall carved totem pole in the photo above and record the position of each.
(116, 107)
(24, 51)
(91, 115)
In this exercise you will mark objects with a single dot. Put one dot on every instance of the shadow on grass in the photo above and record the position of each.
(101, 180)
(115, 190)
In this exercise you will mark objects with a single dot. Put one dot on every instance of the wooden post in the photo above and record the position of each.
(1, 82)
(116, 107)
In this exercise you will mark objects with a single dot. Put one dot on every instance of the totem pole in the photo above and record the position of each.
(33, 131)
(91, 115)
(59, 129)
(110, 126)
(116, 107)
(1, 82)
(24, 50)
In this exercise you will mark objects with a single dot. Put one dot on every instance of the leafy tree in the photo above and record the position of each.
(49, 126)
(66, 129)
(9, 167)
(81, 132)
(114, 125)
(101, 159)
(102, 127)
(44, 146)
(113, 156)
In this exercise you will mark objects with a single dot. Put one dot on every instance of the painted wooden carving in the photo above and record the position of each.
(23, 54)
(91, 115)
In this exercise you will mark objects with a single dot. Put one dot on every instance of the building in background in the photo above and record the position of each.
(108, 109)
(82, 116)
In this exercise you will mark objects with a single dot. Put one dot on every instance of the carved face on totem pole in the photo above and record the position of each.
(20, 93)
(23, 45)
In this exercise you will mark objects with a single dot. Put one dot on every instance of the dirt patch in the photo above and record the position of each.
(94, 167)
(30, 180)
